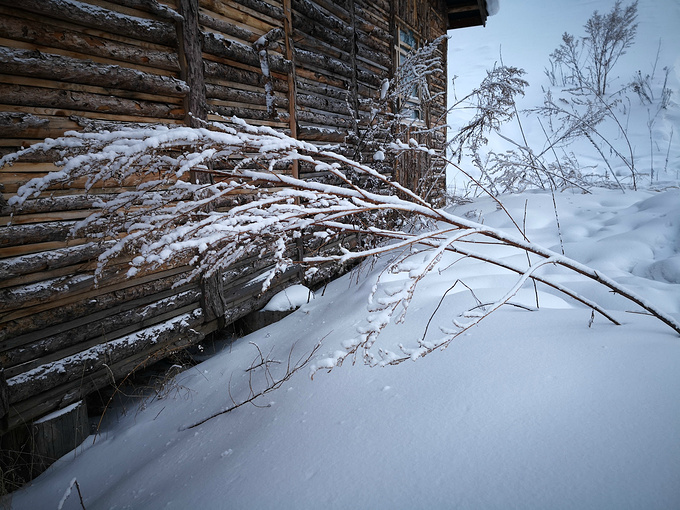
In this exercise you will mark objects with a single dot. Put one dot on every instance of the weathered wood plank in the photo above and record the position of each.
(220, 73)
(220, 24)
(42, 34)
(47, 205)
(323, 62)
(241, 96)
(13, 180)
(105, 19)
(217, 45)
(38, 297)
(152, 7)
(191, 331)
(30, 234)
(73, 100)
(40, 65)
(253, 13)
(80, 365)
(322, 134)
(61, 319)
(20, 124)
(311, 34)
(12, 268)
(68, 343)
(337, 21)
(253, 113)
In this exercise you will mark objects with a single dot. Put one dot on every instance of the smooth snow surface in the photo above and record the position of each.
(528, 410)
(289, 299)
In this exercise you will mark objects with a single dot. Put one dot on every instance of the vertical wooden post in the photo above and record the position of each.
(292, 103)
(191, 62)
(4, 400)
(57, 434)
(292, 89)
(354, 100)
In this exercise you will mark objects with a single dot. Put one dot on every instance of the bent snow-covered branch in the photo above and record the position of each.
(253, 206)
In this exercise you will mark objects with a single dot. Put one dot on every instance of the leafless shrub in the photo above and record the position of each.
(586, 63)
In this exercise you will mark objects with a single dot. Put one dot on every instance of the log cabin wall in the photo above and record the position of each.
(427, 21)
(73, 65)
(96, 64)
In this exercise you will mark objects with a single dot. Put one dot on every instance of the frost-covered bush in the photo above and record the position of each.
(587, 62)
(583, 106)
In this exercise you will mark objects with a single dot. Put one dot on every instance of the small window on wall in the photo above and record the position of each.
(409, 106)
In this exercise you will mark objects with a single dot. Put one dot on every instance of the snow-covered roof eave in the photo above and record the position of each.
(469, 13)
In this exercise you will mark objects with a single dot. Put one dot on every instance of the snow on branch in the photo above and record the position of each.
(253, 206)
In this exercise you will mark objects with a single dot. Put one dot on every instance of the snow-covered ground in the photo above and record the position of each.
(529, 409)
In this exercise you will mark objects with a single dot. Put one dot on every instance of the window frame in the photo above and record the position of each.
(408, 41)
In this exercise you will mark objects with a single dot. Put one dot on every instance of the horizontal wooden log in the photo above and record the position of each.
(263, 7)
(42, 292)
(41, 127)
(312, 35)
(242, 96)
(325, 119)
(381, 5)
(80, 365)
(67, 343)
(324, 104)
(25, 300)
(32, 328)
(381, 44)
(89, 124)
(49, 204)
(245, 11)
(323, 63)
(332, 21)
(340, 8)
(217, 72)
(308, 86)
(14, 124)
(50, 260)
(40, 65)
(367, 20)
(64, 394)
(30, 234)
(153, 7)
(321, 134)
(25, 219)
(92, 16)
(248, 114)
(13, 180)
(239, 52)
(30, 278)
(72, 100)
(43, 34)
(223, 26)
(380, 61)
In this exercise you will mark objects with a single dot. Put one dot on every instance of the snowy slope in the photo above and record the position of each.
(528, 410)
